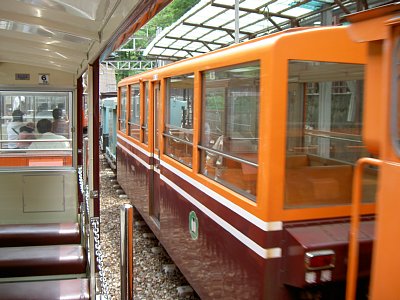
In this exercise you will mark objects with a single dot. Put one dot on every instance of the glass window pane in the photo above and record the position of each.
(325, 103)
(134, 122)
(179, 118)
(146, 114)
(156, 95)
(122, 112)
(230, 126)
(40, 124)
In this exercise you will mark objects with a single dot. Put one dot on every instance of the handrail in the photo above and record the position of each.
(223, 154)
(190, 143)
(355, 224)
(35, 140)
(126, 251)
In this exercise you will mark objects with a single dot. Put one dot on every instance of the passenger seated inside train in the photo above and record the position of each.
(60, 124)
(44, 129)
(26, 132)
(13, 128)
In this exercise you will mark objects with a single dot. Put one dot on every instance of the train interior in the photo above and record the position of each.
(43, 249)
(324, 126)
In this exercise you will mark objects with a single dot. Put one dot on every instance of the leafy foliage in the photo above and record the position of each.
(171, 13)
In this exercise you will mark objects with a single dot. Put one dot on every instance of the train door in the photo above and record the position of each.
(155, 180)
(386, 261)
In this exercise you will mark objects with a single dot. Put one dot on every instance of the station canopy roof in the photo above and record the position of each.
(211, 23)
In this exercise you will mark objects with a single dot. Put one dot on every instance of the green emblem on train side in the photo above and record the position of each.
(193, 225)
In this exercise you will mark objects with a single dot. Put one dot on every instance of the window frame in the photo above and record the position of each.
(228, 155)
(137, 111)
(168, 137)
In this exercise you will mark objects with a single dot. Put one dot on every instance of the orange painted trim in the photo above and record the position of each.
(133, 140)
(118, 106)
(273, 52)
(142, 101)
(161, 115)
(128, 109)
(150, 116)
(26, 161)
(197, 95)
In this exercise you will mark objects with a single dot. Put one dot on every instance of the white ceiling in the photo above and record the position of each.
(63, 34)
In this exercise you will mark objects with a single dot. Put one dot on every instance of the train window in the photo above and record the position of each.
(134, 121)
(396, 93)
(122, 110)
(146, 114)
(28, 121)
(325, 102)
(179, 118)
(229, 141)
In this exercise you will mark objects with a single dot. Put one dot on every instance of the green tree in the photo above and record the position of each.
(170, 14)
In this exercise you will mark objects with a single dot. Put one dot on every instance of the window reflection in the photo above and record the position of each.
(134, 122)
(179, 118)
(325, 103)
(229, 139)
(122, 112)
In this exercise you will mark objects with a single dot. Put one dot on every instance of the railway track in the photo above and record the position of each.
(155, 275)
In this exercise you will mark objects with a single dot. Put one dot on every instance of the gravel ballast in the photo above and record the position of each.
(155, 276)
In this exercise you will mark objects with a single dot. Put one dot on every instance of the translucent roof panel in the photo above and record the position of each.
(213, 35)
(67, 35)
(213, 21)
(251, 4)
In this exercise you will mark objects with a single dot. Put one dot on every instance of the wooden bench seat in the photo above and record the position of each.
(12, 235)
(42, 260)
(71, 289)
(319, 185)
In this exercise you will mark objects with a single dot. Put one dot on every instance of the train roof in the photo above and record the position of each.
(67, 35)
(318, 33)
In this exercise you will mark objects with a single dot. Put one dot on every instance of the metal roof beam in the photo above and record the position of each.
(344, 8)
(256, 11)
(227, 30)
(181, 49)
(129, 65)
(192, 40)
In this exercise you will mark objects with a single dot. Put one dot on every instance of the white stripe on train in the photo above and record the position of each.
(266, 226)
(264, 253)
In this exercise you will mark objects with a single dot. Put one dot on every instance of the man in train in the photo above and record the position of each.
(60, 124)
(44, 128)
(13, 128)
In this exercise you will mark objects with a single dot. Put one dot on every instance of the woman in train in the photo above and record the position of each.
(26, 132)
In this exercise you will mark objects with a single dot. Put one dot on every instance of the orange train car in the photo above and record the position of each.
(379, 30)
(241, 162)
